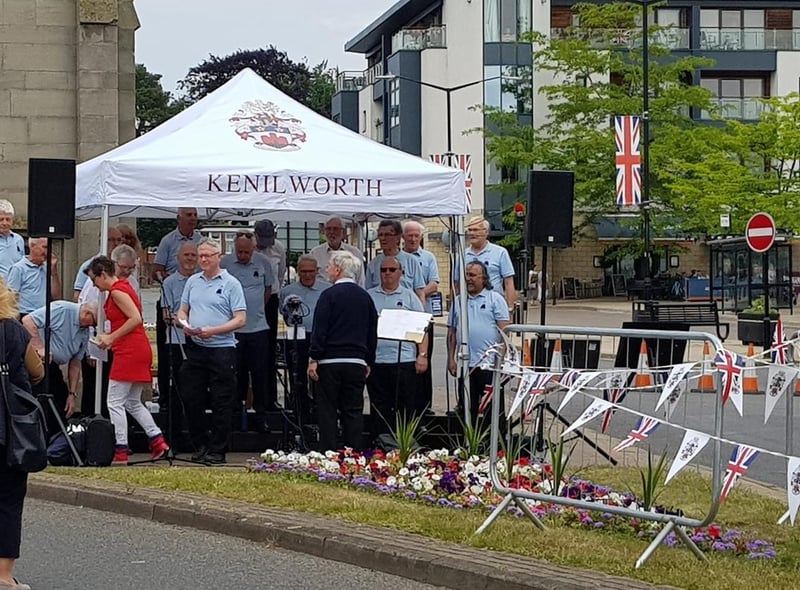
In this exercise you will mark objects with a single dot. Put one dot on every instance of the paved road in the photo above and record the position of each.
(68, 548)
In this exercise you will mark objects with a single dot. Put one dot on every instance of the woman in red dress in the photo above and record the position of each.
(130, 369)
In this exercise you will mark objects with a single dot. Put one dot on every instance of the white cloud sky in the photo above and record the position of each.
(174, 36)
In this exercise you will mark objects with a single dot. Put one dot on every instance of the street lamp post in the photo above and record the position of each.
(646, 133)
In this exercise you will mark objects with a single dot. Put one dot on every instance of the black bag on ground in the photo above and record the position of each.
(23, 421)
(58, 452)
(100, 440)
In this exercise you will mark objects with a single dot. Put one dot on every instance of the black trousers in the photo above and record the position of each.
(301, 401)
(13, 487)
(425, 398)
(170, 400)
(252, 370)
(58, 388)
(162, 374)
(271, 309)
(393, 389)
(208, 380)
(340, 391)
(479, 379)
(89, 378)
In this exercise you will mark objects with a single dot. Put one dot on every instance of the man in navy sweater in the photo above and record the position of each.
(342, 350)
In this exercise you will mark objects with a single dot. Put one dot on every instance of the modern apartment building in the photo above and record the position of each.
(473, 44)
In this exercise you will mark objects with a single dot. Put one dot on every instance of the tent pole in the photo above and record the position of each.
(463, 348)
(98, 370)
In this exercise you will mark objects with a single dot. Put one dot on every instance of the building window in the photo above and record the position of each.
(732, 30)
(524, 17)
(394, 103)
(506, 20)
(364, 121)
(491, 21)
(737, 98)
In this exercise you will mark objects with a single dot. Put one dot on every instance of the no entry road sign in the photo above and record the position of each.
(760, 232)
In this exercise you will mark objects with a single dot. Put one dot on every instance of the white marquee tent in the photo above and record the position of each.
(248, 150)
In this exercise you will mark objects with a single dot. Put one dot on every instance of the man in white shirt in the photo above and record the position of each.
(334, 242)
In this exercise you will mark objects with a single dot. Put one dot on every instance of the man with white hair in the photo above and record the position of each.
(342, 350)
(28, 277)
(12, 246)
(495, 258)
(334, 242)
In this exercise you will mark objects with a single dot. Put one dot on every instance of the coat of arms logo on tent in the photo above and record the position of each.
(268, 127)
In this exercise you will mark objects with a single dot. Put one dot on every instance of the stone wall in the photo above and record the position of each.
(67, 90)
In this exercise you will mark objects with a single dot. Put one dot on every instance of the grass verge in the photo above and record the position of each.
(606, 551)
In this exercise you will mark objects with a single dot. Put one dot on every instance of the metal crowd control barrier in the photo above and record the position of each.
(672, 522)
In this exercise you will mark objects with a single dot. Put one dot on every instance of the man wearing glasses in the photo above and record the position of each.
(252, 340)
(393, 385)
(212, 308)
(389, 234)
(334, 242)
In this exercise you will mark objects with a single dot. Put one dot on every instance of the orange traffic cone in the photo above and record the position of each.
(557, 362)
(797, 385)
(527, 361)
(705, 384)
(644, 378)
(749, 377)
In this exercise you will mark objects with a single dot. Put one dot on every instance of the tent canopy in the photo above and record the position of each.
(248, 150)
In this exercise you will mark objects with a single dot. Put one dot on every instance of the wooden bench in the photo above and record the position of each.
(693, 314)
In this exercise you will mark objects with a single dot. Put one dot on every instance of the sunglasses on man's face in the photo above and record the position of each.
(387, 269)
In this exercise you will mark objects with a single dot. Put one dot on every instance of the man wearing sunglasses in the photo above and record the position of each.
(393, 385)
(389, 234)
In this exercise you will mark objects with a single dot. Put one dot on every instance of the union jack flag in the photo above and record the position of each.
(730, 365)
(461, 161)
(628, 160)
(537, 389)
(779, 344)
(741, 458)
(644, 427)
(568, 378)
(619, 387)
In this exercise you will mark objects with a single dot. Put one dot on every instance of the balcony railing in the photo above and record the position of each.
(673, 38)
(356, 80)
(749, 39)
(371, 74)
(418, 39)
(743, 109)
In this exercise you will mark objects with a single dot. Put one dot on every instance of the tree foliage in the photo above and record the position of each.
(154, 105)
(312, 87)
(587, 75)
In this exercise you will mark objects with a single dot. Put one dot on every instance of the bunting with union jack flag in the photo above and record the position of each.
(628, 160)
(461, 161)
(741, 458)
(644, 427)
(730, 365)
(779, 344)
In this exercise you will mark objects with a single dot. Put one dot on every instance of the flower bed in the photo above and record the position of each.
(446, 479)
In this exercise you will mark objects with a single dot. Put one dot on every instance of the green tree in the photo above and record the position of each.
(312, 87)
(592, 78)
(154, 105)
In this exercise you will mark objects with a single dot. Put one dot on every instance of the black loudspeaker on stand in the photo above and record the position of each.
(51, 214)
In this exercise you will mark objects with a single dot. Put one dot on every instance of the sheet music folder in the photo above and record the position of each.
(403, 324)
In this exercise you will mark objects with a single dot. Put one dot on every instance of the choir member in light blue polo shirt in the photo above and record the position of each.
(114, 240)
(12, 246)
(393, 385)
(307, 289)
(254, 272)
(412, 240)
(171, 293)
(69, 334)
(213, 307)
(389, 234)
(28, 277)
(486, 314)
(495, 258)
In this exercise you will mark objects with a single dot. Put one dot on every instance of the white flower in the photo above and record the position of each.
(403, 472)
(391, 481)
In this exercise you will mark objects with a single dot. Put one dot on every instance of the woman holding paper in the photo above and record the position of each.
(130, 369)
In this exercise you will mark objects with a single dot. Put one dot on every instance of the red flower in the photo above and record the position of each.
(714, 531)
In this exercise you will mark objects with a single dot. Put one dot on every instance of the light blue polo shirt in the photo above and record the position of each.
(81, 277)
(430, 271)
(167, 253)
(496, 260)
(172, 289)
(255, 277)
(412, 275)
(309, 295)
(484, 310)
(67, 338)
(212, 302)
(29, 280)
(402, 298)
(12, 249)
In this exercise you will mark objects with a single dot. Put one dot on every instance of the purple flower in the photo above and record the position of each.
(599, 525)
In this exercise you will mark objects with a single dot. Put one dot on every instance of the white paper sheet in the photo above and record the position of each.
(402, 324)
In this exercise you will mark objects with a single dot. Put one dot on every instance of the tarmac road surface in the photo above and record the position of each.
(69, 548)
